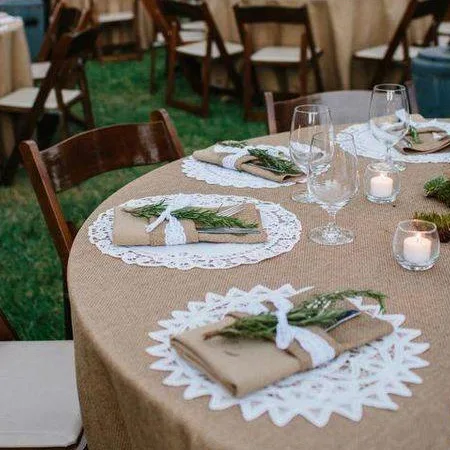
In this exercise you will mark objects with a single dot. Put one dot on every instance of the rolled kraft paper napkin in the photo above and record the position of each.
(432, 139)
(130, 230)
(212, 157)
(243, 366)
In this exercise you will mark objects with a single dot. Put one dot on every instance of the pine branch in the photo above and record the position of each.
(320, 310)
(439, 188)
(203, 218)
(442, 222)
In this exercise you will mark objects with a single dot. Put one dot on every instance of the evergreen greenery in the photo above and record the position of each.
(439, 188)
(442, 222)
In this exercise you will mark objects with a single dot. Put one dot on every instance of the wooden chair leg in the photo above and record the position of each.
(206, 78)
(86, 100)
(68, 330)
(152, 67)
(248, 89)
(170, 89)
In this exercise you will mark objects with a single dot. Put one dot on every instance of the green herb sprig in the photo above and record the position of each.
(204, 218)
(439, 188)
(442, 222)
(320, 310)
(280, 165)
(415, 137)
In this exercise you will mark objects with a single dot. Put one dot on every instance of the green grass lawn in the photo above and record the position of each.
(30, 272)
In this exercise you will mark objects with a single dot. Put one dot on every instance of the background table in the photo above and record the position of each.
(15, 73)
(340, 28)
(115, 305)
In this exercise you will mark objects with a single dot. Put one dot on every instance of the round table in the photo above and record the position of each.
(115, 306)
(15, 72)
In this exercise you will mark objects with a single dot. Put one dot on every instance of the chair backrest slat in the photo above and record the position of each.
(89, 154)
(271, 14)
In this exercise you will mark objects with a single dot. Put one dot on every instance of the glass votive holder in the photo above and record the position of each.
(381, 183)
(416, 244)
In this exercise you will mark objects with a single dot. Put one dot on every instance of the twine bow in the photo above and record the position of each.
(174, 232)
(318, 348)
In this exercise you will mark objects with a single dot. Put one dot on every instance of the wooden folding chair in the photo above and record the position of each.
(32, 102)
(191, 31)
(301, 57)
(86, 155)
(213, 48)
(347, 107)
(39, 394)
(108, 21)
(64, 19)
(398, 52)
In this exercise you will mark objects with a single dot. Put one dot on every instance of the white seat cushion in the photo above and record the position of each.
(443, 40)
(280, 55)
(199, 49)
(195, 25)
(119, 16)
(186, 36)
(24, 98)
(38, 397)
(444, 28)
(378, 53)
(39, 70)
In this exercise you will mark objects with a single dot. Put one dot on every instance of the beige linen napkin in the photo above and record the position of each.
(130, 230)
(244, 365)
(242, 164)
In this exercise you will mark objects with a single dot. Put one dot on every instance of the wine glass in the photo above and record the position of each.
(389, 118)
(333, 188)
(307, 121)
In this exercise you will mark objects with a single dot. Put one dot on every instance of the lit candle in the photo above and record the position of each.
(381, 186)
(417, 249)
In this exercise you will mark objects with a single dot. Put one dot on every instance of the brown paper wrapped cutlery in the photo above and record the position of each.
(245, 163)
(131, 230)
(243, 366)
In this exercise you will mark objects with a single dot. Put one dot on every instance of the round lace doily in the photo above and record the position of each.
(218, 175)
(282, 227)
(368, 146)
(363, 377)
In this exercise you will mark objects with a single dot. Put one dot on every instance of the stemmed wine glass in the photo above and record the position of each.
(333, 188)
(389, 118)
(307, 121)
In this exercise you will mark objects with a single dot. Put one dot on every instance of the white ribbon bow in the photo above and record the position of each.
(229, 162)
(174, 232)
(318, 348)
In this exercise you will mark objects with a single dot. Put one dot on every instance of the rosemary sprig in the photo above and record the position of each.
(204, 218)
(273, 162)
(281, 165)
(415, 137)
(439, 188)
(320, 310)
(442, 222)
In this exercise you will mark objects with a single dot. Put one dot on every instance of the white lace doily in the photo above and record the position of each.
(212, 174)
(368, 146)
(282, 227)
(363, 377)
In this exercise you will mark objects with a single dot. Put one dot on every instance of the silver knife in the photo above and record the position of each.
(229, 230)
(348, 316)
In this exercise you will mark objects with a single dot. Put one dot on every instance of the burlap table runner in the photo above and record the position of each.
(15, 73)
(211, 157)
(130, 230)
(244, 366)
(115, 305)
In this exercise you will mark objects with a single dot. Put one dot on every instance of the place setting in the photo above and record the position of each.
(185, 231)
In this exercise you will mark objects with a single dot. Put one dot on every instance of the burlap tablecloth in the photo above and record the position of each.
(115, 305)
(122, 34)
(15, 73)
(340, 28)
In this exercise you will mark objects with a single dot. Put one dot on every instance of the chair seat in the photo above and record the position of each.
(195, 25)
(281, 54)
(186, 36)
(444, 28)
(199, 49)
(39, 70)
(119, 16)
(39, 405)
(377, 53)
(23, 99)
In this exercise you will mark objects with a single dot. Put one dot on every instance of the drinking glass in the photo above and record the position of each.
(333, 188)
(389, 118)
(307, 121)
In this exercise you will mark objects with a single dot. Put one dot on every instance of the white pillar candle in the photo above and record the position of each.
(417, 249)
(381, 186)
